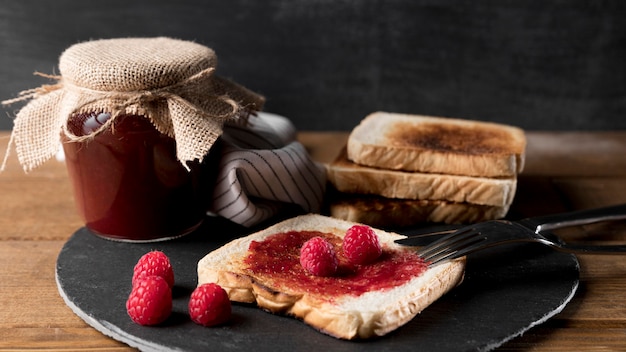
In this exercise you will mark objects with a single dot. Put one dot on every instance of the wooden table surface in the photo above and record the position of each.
(564, 171)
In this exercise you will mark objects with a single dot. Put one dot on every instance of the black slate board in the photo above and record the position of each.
(506, 291)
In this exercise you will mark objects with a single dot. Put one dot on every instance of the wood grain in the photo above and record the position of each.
(565, 171)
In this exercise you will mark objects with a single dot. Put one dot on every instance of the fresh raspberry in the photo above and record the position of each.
(150, 301)
(154, 263)
(318, 257)
(209, 305)
(361, 245)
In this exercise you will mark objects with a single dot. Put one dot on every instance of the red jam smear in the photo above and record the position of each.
(128, 183)
(276, 260)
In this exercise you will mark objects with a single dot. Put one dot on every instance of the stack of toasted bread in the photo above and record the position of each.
(400, 170)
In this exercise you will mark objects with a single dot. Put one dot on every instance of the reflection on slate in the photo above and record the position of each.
(327, 64)
(506, 291)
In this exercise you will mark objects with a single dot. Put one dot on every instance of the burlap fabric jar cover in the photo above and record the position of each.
(169, 81)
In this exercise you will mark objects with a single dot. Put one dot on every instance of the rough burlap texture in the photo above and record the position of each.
(170, 81)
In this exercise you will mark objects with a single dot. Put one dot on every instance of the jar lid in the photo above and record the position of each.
(169, 81)
(132, 64)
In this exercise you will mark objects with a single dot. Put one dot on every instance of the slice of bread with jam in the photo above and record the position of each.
(358, 302)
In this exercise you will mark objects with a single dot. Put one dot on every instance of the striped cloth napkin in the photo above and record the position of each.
(264, 170)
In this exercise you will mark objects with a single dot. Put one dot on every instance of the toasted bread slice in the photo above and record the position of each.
(437, 145)
(349, 177)
(397, 213)
(347, 316)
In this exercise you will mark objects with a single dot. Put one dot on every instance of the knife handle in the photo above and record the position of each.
(575, 218)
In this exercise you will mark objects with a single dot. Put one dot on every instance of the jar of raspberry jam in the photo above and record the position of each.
(140, 120)
(127, 182)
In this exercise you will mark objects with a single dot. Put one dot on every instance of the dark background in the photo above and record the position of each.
(538, 64)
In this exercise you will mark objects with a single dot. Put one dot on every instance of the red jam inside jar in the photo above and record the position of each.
(128, 183)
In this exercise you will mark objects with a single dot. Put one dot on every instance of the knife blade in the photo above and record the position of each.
(425, 235)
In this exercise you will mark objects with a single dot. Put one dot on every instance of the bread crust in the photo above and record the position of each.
(398, 213)
(349, 177)
(349, 317)
(437, 145)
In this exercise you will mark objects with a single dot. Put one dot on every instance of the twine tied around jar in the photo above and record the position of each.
(170, 82)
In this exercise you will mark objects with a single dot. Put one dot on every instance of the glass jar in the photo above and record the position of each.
(127, 182)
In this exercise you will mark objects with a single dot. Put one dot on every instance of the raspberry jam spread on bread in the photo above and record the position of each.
(355, 301)
(276, 258)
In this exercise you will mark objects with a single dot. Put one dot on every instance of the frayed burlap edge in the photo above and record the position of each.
(191, 111)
